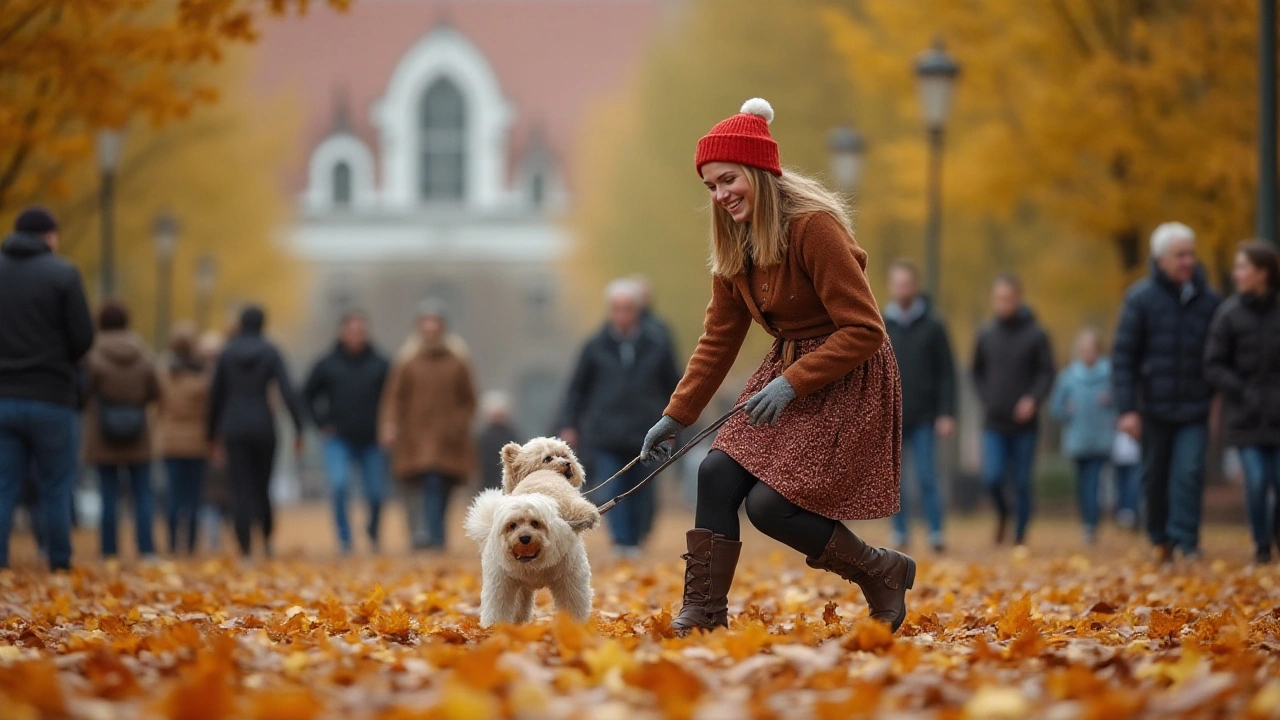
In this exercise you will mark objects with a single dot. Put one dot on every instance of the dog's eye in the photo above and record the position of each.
(511, 526)
(547, 459)
(535, 524)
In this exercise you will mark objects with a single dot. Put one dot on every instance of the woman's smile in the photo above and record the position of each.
(729, 188)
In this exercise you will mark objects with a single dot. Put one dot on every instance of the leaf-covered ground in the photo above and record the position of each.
(1058, 631)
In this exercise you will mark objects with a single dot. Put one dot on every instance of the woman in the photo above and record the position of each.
(184, 407)
(1081, 401)
(1242, 361)
(121, 384)
(822, 438)
(242, 426)
(425, 422)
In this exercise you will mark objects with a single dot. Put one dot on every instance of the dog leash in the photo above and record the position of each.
(669, 461)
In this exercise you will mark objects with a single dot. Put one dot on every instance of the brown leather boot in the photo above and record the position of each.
(884, 575)
(708, 573)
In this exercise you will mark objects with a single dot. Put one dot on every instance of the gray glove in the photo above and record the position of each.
(659, 442)
(766, 406)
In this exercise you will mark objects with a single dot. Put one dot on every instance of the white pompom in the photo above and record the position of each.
(758, 106)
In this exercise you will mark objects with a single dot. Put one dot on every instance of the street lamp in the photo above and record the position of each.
(848, 150)
(165, 232)
(110, 146)
(1267, 171)
(936, 74)
(206, 276)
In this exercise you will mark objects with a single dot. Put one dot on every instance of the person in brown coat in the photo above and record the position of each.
(821, 440)
(425, 422)
(120, 387)
(184, 408)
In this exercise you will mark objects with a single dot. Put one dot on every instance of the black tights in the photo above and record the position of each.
(723, 487)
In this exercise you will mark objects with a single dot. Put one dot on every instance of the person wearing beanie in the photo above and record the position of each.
(241, 426)
(821, 439)
(45, 330)
(428, 403)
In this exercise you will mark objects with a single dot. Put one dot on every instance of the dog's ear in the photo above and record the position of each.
(579, 475)
(509, 453)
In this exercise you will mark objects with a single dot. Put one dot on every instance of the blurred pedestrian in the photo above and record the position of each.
(45, 329)
(183, 418)
(1242, 361)
(820, 439)
(1126, 470)
(1013, 374)
(342, 392)
(495, 431)
(1160, 389)
(1082, 403)
(661, 328)
(123, 385)
(215, 500)
(624, 376)
(923, 350)
(425, 420)
(242, 426)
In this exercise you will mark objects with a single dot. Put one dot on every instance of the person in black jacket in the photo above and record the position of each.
(1157, 369)
(242, 426)
(928, 372)
(1242, 361)
(342, 393)
(495, 432)
(619, 388)
(1013, 373)
(45, 330)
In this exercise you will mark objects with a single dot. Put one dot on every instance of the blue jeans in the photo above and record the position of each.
(1173, 477)
(1088, 482)
(435, 491)
(144, 506)
(1262, 491)
(48, 435)
(339, 457)
(630, 519)
(1128, 487)
(1010, 455)
(919, 441)
(186, 484)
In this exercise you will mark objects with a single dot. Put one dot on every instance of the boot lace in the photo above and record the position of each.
(870, 573)
(691, 592)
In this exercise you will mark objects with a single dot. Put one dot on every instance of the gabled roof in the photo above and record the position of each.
(553, 58)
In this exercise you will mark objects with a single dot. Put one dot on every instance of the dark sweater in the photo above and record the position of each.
(45, 327)
(343, 392)
(925, 362)
(238, 402)
(1242, 361)
(1012, 360)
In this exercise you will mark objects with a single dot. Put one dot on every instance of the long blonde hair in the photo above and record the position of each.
(779, 201)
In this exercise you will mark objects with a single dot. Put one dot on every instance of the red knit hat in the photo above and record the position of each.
(743, 138)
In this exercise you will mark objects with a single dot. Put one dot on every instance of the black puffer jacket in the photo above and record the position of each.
(615, 394)
(925, 362)
(45, 328)
(238, 402)
(343, 392)
(1158, 358)
(1242, 361)
(1012, 360)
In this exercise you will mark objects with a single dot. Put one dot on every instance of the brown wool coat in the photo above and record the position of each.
(184, 407)
(819, 289)
(120, 368)
(430, 400)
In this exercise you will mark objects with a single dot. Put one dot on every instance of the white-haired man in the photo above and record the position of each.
(624, 376)
(1160, 389)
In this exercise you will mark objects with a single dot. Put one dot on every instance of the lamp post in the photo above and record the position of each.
(165, 232)
(936, 74)
(110, 144)
(206, 276)
(848, 150)
(1267, 186)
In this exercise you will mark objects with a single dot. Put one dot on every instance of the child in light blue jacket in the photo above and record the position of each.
(1081, 401)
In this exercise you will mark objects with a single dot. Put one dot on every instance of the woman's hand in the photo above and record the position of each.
(766, 406)
(659, 442)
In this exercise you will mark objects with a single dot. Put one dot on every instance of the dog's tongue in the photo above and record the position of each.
(525, 550)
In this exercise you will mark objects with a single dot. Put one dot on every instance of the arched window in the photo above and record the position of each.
(443, 122)
(342, 185)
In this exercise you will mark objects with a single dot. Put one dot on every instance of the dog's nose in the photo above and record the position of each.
(524, 539)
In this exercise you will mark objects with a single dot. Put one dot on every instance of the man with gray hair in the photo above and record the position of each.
(624, 375)
(1159, 386)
